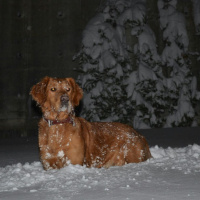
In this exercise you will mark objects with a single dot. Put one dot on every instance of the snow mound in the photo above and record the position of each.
(173, 169)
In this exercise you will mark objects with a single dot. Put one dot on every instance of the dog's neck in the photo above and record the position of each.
(69, 119)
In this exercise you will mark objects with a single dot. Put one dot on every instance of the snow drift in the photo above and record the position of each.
(173, 173)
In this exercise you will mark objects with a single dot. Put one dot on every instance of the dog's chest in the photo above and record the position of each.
(58, 137)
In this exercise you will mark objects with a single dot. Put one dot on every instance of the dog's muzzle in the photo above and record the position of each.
(64, 99)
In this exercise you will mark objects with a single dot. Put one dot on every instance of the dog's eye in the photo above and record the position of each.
(68, 89)
(53, 89)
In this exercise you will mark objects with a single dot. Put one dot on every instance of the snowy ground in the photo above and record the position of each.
(173, 173)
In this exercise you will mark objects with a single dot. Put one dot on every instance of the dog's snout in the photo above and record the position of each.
(64, 98)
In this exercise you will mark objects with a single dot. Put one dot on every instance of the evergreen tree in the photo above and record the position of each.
(180, 84)
(145, 85)
(104, 66)
(160, 91)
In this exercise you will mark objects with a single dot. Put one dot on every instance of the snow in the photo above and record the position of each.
(146, 41)
(145, 73)
(136, 13)
(172, 173)
(119, 47)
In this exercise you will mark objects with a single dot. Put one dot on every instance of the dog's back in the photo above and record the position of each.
(112, 143)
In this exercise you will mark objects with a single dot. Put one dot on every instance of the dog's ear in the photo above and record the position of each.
(77, 92)
(38, 91)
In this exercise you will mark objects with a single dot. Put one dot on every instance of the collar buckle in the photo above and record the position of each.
(50, 122)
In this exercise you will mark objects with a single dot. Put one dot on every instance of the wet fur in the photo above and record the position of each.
(94, 144)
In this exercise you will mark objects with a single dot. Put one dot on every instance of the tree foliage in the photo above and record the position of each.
(139, 92)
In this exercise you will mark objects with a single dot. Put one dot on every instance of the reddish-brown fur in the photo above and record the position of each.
(77, 141)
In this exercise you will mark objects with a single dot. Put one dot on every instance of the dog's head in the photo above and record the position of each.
(57, 94)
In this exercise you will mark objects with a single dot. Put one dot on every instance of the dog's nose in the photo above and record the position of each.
(64, 98)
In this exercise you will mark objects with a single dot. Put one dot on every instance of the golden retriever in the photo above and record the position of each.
(66, 139)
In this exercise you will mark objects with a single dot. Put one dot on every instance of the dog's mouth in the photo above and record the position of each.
(66, 108)
(65, 104)
(63, 108)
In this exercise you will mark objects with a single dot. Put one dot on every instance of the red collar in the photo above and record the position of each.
(54, 122)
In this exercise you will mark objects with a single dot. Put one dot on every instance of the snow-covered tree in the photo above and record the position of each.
(180, 84)
(196, 17)
(104, 66)
(153, 91)
(145, 85)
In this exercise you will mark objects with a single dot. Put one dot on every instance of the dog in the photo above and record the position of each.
(66, 139)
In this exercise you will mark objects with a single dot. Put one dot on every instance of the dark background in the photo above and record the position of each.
(40, 38)
(37, 38)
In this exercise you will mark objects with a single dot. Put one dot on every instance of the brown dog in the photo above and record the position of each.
(65, 139)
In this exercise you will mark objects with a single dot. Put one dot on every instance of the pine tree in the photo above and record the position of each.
(145, 85)
(155, 91)
(180, 84)
(104, 66)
